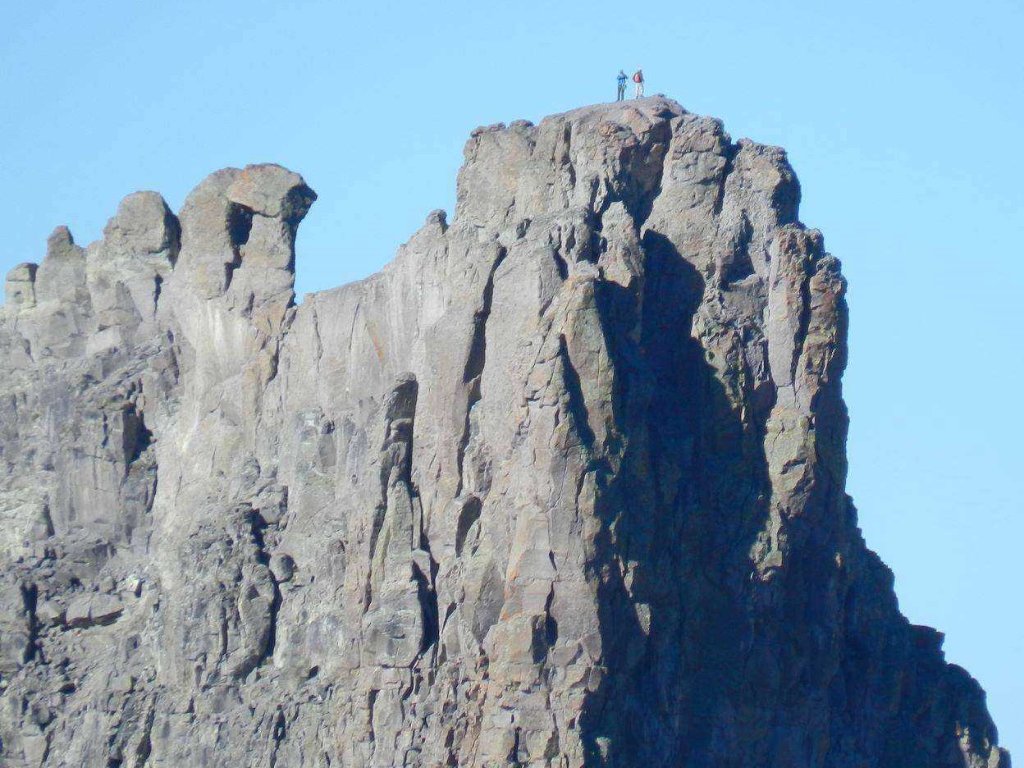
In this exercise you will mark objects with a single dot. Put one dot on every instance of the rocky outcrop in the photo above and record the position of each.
(562, 485)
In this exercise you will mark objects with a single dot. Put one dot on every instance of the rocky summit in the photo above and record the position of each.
(562, 485)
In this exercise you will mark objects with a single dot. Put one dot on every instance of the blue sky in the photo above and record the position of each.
(901, 118)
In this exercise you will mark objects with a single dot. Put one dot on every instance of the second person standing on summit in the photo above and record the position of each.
(638, 78)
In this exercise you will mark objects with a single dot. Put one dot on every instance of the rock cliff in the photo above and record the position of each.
(561, 485)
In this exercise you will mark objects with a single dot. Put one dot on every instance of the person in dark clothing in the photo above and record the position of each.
(622, 86)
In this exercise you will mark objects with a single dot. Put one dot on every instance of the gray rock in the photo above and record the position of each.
(93, 610)
(52, 314)
(272, 191)
(127, 269)
(563, 484)
(20, 288)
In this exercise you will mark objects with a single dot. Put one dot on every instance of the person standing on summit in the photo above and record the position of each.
(638, 78)
(622, 85)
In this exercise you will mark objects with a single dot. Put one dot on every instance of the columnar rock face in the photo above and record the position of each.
(562, 485)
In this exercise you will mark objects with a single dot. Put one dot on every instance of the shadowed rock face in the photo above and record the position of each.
(562, 485)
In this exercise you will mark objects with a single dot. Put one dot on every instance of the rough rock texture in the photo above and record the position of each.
(562, 485)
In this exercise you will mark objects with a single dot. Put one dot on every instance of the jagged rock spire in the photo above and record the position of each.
(562, 485)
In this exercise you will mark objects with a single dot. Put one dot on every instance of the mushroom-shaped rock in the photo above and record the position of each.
(20, 286)
(272, 191)
(272, 201)
(243, 218)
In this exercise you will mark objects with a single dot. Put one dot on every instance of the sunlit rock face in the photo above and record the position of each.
(562, 485)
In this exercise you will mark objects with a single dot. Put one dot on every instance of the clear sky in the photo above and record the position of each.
(903, 120)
